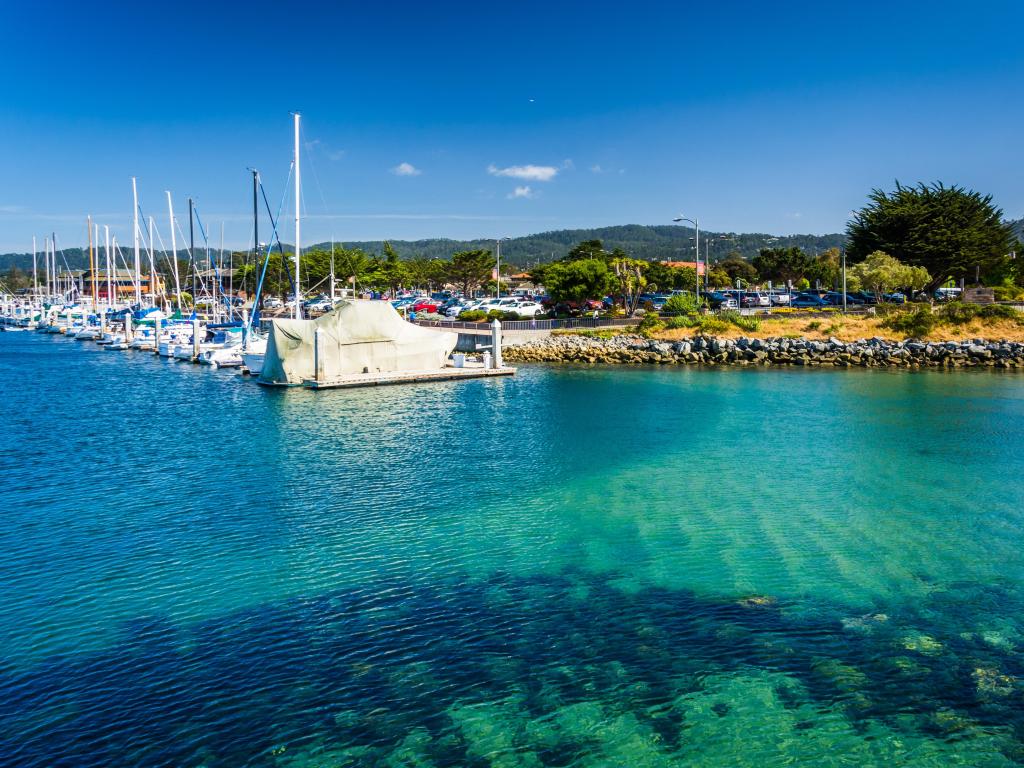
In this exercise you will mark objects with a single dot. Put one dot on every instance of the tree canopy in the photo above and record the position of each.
(736, 267)
(578, 280)
(469, 269)
(949, 231)
(881, 272)
(781, 265)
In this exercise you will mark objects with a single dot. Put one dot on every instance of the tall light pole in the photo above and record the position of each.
(696, 230)
(843, 252)
(497, 269)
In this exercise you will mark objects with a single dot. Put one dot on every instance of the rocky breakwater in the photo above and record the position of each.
(710, 350)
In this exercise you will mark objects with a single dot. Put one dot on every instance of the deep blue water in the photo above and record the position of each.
(572, 567)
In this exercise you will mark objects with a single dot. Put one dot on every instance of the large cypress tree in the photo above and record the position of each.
(950, 231)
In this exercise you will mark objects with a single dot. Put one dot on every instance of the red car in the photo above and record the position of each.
(426, 305)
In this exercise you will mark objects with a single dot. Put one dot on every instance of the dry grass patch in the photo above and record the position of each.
(854, 327)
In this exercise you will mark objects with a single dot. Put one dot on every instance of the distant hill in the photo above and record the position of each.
(1018, 228)
(662, 242)
(668, 243)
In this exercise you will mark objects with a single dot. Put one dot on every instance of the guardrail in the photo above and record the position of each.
(533, 325)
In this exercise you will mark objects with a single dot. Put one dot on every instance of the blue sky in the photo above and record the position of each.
(446, 119)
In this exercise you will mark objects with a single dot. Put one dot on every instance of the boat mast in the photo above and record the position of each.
(135, 227)
(298, 218)
(95, 284)
(35, 269)
(192, 255)
(255, 235)
(220, 268)
(92, 264)
(106, 236)
(174, 251)
(152, 265)
(46, 256)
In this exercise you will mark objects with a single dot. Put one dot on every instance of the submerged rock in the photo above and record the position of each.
(921, 643)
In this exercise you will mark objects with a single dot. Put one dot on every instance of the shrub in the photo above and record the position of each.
(710, 324)
(743, 322)
(472, 315)
(682, 304)
(748, 323)
(1008, 292)
(917, 322)
(958, 313)
(683, 321)
(998, 311)
(650, 323)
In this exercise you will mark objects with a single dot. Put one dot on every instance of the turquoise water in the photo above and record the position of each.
(572, 567)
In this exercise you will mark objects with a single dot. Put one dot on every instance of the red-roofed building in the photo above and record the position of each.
(699, 266)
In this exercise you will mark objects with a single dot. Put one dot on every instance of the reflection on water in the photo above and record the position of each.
(569, 568)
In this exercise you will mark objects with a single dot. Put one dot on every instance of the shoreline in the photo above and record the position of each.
(631, 349)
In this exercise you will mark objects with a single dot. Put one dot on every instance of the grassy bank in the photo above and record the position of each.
(949, 323)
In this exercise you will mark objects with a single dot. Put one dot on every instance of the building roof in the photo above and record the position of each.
(699, 266)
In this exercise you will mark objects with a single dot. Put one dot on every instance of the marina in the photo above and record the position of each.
(558, 385)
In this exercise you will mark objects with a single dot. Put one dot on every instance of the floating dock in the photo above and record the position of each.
(381, 379)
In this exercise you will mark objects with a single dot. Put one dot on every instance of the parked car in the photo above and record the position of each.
(835, 298)
(528, 308)
(272, 302)
(718, 300)
(760, 298)
(745, 299)
(779, 298)
(425, 305)
(321, 305)
(809, 301)
(866, 297)
(895, 298)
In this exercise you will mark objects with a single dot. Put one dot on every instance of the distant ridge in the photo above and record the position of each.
(662, 242)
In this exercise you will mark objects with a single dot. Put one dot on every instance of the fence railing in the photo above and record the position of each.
(534, 325)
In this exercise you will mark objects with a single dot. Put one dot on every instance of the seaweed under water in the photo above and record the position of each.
(562, 670)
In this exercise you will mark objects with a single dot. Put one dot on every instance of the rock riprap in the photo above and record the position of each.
(711, 350)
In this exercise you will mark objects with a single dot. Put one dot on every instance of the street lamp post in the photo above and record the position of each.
(497, 269)
(843, 252)
(696, 232)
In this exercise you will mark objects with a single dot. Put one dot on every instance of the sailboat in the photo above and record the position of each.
(255, 346)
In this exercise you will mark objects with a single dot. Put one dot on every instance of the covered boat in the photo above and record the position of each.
(355, 337)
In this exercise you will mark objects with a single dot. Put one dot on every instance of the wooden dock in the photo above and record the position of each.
(381, 379)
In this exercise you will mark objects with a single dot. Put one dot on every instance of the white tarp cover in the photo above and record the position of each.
(356, 336)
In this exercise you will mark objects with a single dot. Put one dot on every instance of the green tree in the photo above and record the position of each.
(826, 269)
(881, 272)
(736, 267)
(587, 249)
(949, 231)
(718, 277)
(352, 267)
(388, 272)
(578, 280)
(469, 269)
(630, 279)
(781, 265)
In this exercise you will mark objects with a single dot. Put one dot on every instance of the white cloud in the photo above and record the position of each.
(794, 215)
(406, 169)
(596, 169)
(520, 192)
(331, 154)
(525, 172)
(568, 164)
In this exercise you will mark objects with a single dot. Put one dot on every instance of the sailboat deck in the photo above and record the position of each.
(408, 377)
